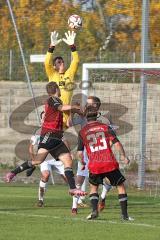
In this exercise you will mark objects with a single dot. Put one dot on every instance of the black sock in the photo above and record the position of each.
(70, 177)
(24, 166)
(123, 204)
(94, 197)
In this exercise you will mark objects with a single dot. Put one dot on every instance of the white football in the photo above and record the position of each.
(75, 21)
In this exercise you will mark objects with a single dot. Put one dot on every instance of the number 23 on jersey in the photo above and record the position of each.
(97, 141)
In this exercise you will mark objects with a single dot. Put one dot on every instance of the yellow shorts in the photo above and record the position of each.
(66, 117)
(66, 99)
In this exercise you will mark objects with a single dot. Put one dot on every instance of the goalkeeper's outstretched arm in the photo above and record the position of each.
(49, 56)
(70, 40)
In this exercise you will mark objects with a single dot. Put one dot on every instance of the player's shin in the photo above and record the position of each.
(123, 205)
(94, 198)
(42, 190)
(103, 194)
(75, 202)
(83, 188)
(70, 177)
(24, 166)
(105, 189)
(71, 182)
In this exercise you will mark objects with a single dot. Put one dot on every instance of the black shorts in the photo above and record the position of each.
(53, 144)
(115, 177)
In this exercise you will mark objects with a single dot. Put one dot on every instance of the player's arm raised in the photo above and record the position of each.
(49, 56)
(70, 40)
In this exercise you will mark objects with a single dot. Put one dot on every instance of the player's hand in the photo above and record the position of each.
(70, 37)
(54, 39)
(77, 109)
(76, 106)
(125, 160)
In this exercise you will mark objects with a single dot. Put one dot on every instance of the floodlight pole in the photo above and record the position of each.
(143, 95)
(23, 59)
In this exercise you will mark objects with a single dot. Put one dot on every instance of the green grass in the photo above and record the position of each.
(20, 219)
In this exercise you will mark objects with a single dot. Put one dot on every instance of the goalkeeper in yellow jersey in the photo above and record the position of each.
(56, 71)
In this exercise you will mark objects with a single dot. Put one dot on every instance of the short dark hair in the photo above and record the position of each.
(57, 58)
(96, 101)
(51, 88)
(91, 110)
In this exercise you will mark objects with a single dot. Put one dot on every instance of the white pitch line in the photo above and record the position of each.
(138, 202)
(21, 196)
(17, 196)
(49, 197)
(80, 219)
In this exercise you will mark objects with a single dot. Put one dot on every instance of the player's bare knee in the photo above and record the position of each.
(45, 176)
(66, 159)
(121, 188)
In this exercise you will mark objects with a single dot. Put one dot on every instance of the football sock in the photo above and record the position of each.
(70, 177)
(24, 166)
(107, 186)
(105, 189)
(80, 200)
(78, 186)
(104, 192)
(83, 188)
(42, 189)
(75, 201)
(94, 197)
(103, 200)
(30, 171)
(123, 204)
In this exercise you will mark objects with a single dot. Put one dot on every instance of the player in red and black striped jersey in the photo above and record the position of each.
(53, 119)
(51, 138)
(98, 138)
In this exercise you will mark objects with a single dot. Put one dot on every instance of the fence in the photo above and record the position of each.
(11, 66)
(121, 99)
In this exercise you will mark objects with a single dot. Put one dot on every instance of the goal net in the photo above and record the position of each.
(131, 100)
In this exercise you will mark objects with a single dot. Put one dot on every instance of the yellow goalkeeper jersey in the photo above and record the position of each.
(64, 80)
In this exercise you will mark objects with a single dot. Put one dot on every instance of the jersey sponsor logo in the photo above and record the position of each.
(61, 83)
(94, 129)
(100, 157)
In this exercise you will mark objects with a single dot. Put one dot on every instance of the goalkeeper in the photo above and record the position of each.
(55, 68)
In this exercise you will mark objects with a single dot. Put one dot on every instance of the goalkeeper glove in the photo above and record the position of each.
(70, 37)
(54, 39)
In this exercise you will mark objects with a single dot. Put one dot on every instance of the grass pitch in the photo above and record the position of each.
(20, 219)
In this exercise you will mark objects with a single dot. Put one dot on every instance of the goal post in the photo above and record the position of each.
(143, 72)
(132, 66)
